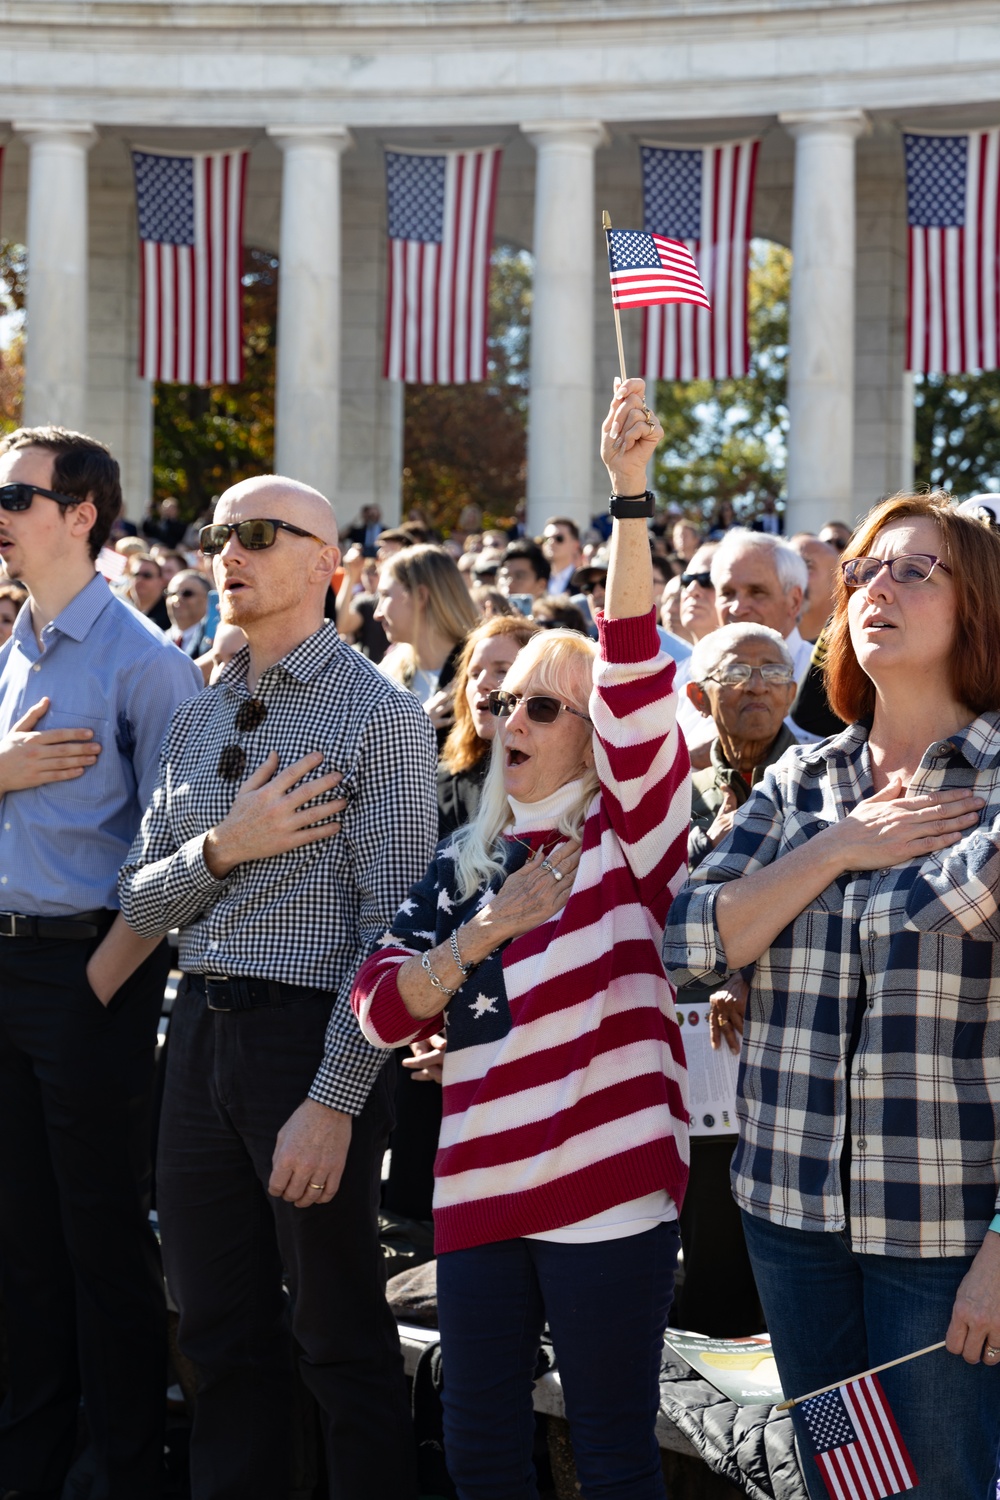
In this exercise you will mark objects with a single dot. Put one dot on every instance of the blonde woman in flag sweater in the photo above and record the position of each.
(563, 1153)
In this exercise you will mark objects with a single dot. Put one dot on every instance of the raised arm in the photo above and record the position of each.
(629, 436)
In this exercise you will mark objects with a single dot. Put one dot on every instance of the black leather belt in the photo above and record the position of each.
(79, 928)
(226, 993)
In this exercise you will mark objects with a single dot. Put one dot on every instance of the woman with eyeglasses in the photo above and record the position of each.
(535, 936)
(860, 884)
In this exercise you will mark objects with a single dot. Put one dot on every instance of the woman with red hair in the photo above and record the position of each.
(860, 883)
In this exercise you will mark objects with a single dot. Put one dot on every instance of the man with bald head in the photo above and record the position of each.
(296, 804)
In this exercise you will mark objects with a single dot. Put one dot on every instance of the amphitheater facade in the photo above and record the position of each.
(569, 88)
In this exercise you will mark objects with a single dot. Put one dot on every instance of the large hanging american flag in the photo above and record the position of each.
(952, 190)
(703, 196)
(859, 1450)
(440, 217)
(190, 209)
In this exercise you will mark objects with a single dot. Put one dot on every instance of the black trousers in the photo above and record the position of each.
(82, 1285)
(233, 1079)
(719, 1295)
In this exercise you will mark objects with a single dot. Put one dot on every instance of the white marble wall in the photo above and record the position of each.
(883, 460)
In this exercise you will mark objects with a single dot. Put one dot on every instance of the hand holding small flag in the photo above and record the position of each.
(629, 435)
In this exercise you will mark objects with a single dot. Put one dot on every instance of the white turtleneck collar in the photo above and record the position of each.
(533, 817)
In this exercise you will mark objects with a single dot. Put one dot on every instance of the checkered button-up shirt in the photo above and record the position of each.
(917, 947)
(311, 916)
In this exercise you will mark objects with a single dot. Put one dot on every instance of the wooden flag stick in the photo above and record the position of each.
(876, 1369)
(618, 321)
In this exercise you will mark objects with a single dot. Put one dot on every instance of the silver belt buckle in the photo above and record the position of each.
(215, 979)
(8, 924)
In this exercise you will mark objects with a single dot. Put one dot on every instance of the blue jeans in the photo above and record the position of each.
(606, 1305)
(833, 1313)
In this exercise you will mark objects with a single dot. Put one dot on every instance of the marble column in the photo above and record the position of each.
(821, 334)
(561, 434)
(307, 403)
(55, 378)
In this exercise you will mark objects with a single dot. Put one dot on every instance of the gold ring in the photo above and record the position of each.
(319, 1186)
(722, 1020)
(991, 1351)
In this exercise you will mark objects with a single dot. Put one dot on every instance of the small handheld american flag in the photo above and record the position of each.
(647, 269)
(859, 1450)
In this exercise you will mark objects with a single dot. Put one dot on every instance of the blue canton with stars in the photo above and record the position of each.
(164, 190)
(479, 1011)
(936, 169)
(671, 192)
(415, 186)
(631, 250)
(827, 1422)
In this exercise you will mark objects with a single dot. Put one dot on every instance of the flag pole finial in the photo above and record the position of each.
(606, 222)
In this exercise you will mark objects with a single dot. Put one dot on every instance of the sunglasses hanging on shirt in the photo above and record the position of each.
(233, 758)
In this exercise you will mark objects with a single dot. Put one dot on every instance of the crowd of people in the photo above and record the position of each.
(483, 803)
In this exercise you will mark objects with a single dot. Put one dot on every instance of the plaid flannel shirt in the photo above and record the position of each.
(919, 946)
(309, 917)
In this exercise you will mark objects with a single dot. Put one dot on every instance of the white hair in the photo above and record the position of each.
(712, 648)
(790, 569)
(560, 662)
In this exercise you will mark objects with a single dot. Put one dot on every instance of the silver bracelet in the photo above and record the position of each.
(456, 955)
(425, 964)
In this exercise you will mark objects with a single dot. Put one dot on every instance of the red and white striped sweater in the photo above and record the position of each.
(565, 1087)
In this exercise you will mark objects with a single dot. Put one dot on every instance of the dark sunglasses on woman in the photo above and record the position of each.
(540, 708)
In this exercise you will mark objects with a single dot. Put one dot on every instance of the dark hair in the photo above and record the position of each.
(81, 467)
(523, 547)
(407, 535)
(463, 748)
(569, 524)
(557, 611)
(972, 551)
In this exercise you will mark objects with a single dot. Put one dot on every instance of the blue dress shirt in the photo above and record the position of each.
(102, 667)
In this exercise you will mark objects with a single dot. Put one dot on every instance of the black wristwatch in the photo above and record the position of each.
(632, 507)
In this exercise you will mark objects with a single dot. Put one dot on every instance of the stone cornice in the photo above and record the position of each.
(392, 64)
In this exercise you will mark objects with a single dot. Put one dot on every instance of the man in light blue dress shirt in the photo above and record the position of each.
(87, 690)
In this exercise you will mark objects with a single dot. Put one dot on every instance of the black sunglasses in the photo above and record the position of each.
(184, 594)
(19, 496)
(703, 580)
(253, 535)
(540, 708)
(233, 759)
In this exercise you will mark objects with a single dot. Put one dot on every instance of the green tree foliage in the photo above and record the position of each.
(467, 443)
(725, 440)
(206, 438)
(958, 432)
(13, 293)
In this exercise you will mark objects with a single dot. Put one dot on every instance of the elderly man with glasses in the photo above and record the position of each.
(87, 689)
(742, 679)
(296, 805)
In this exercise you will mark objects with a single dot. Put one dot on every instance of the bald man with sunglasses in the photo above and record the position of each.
(296, 806)
(87, 690)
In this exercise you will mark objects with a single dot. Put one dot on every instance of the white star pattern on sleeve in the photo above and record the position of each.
(444, 900)
(483, 1004)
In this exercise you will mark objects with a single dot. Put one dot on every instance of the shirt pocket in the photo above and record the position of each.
(797, 830)
(100, 783)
